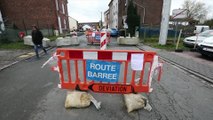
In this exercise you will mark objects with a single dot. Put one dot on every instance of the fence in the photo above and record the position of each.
(11, 33)
(148, 32)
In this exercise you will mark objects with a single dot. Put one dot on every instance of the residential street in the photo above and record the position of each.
(29, 92)
(106, 60)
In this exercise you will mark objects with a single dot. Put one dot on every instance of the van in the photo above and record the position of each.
(200, 28)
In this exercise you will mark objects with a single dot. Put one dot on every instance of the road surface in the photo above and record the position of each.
(31, 93)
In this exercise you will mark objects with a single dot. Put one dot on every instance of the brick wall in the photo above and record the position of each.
(24, 13)
(63, 14)
(153, 10)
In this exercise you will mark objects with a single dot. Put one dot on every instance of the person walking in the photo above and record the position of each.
(37, 37)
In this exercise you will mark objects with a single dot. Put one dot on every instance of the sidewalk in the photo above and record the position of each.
(203, 68)
(10, 57)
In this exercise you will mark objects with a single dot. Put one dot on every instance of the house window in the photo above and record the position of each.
(56, 2)
(65, 24)
(126, 2)
(63, 8)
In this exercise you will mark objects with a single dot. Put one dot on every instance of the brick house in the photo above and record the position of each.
(106, 18)
(46, 14)
(149, 11)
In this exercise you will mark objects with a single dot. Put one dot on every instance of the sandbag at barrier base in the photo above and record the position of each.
(78, 99)
(135, 102)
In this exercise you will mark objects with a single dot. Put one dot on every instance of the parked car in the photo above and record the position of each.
(190, 41)
(206, 47)
(114, 32)
(201, 28)
(106, 30)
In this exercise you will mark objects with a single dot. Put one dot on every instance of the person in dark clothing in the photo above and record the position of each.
(37, 40)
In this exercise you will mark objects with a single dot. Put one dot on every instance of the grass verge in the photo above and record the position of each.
(14, 45)
(53, 38)
(170, 45)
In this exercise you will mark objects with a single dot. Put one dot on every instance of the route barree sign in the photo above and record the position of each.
(102, 71)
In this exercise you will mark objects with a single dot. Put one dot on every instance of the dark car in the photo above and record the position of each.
(114, 32)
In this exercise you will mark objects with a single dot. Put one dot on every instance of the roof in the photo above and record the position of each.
(73, 18)
(110, 3)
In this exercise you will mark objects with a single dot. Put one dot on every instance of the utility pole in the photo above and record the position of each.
(164, 22)
(101, 20)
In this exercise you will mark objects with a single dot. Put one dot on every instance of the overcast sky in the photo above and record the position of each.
(90, 10)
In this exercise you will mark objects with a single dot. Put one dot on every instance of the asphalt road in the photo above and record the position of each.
(30, 93)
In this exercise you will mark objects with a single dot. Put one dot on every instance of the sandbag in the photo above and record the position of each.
(79, 99)
(135, 102)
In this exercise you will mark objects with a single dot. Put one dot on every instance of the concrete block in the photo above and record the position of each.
(128, 40)
(52, 43)
(67, 41)
(60, 41)
(45, 42)
(75, 40)
(28, 40)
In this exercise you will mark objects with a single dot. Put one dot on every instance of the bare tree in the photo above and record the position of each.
(196, 10)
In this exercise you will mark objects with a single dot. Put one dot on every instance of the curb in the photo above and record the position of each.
(13, 63)
(6, 66)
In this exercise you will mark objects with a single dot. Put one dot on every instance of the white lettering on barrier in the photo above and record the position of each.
(102, 67)
(102, 75)
(102, 70)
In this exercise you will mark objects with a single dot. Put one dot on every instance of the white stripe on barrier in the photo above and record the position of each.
(90, 55)
(102, 41)
(154, 66)
(119, 56)
(103, 37)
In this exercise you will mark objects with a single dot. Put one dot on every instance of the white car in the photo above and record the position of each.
(206, 47)
(190, 41)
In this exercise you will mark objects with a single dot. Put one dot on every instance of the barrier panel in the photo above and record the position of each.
(95, 37)
(103, 41)
(107, 71)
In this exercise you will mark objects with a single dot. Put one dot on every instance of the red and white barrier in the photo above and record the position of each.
(103, 41)
(91, 61)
